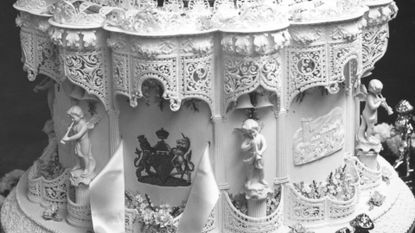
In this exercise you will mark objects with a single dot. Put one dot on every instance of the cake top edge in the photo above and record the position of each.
(178, 17)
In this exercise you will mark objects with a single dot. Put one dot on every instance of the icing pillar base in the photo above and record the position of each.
(367, 152)
(256, 195)
(369, 159)
(257, 208)
(82, 194)
(79, 209)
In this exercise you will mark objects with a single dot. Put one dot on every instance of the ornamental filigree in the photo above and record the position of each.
(90, 39)
(197, 46)
(56, 35)
(197, 74)
(255, 44)
(245, 74)
(27, 41)
(236, 221)
(87, 71)
(306, 69)
(74, 39)
(319, 138)
(381, 14)
(120, 73)
(346, 32)
(150, 49)
(375, 42)
(305, 36)
(117, 43)
(340, 55)
(210, 223)
(163, 70)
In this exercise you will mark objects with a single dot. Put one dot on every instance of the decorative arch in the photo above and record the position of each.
(321, 65)
(172, 95)
(243, 75)
(87, 70)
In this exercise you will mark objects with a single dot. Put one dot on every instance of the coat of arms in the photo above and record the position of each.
(162, 165)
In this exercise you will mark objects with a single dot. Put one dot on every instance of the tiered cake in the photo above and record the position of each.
(269, 91)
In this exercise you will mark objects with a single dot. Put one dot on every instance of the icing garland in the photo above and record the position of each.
(339, 185)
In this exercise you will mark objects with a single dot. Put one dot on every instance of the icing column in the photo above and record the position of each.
(252, 64)
(256, 188)
(84, 170)
(84, 57)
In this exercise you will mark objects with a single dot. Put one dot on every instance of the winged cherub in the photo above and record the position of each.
(78, 132)
(373, 99)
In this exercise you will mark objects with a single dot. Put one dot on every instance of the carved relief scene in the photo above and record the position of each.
(319, 137)
(316, 132)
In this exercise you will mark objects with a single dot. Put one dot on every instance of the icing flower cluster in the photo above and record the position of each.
(198, 16)
(153, 218)
(323, 9)
(339, 185)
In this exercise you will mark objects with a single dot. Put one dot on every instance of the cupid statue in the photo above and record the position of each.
(374, 100)
(254, 146)
(78, 132)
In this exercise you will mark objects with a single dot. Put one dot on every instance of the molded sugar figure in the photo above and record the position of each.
(78, 131)
(374, 100)
(255, 145)
(256, 188)
(369, 145)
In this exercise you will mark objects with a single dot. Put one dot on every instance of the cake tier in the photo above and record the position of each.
(19, 215)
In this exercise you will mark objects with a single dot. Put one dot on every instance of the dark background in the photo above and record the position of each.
(23, 113)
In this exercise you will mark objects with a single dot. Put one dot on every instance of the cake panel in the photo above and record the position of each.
(162, 148)
(316, 134)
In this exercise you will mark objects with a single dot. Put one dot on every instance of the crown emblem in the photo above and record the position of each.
(162, 134)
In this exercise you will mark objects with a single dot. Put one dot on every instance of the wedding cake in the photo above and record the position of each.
(198, 116)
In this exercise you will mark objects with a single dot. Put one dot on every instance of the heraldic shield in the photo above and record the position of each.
(162, 165)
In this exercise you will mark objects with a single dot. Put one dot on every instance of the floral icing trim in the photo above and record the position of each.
(52, 213)
(198, 16)
(299, 228)
(323, 10)
(376, 199)
(153, 218)
(339, 185)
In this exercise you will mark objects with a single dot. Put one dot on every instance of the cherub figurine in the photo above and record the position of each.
(255, 145)
(374, 100)
(78, 132)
